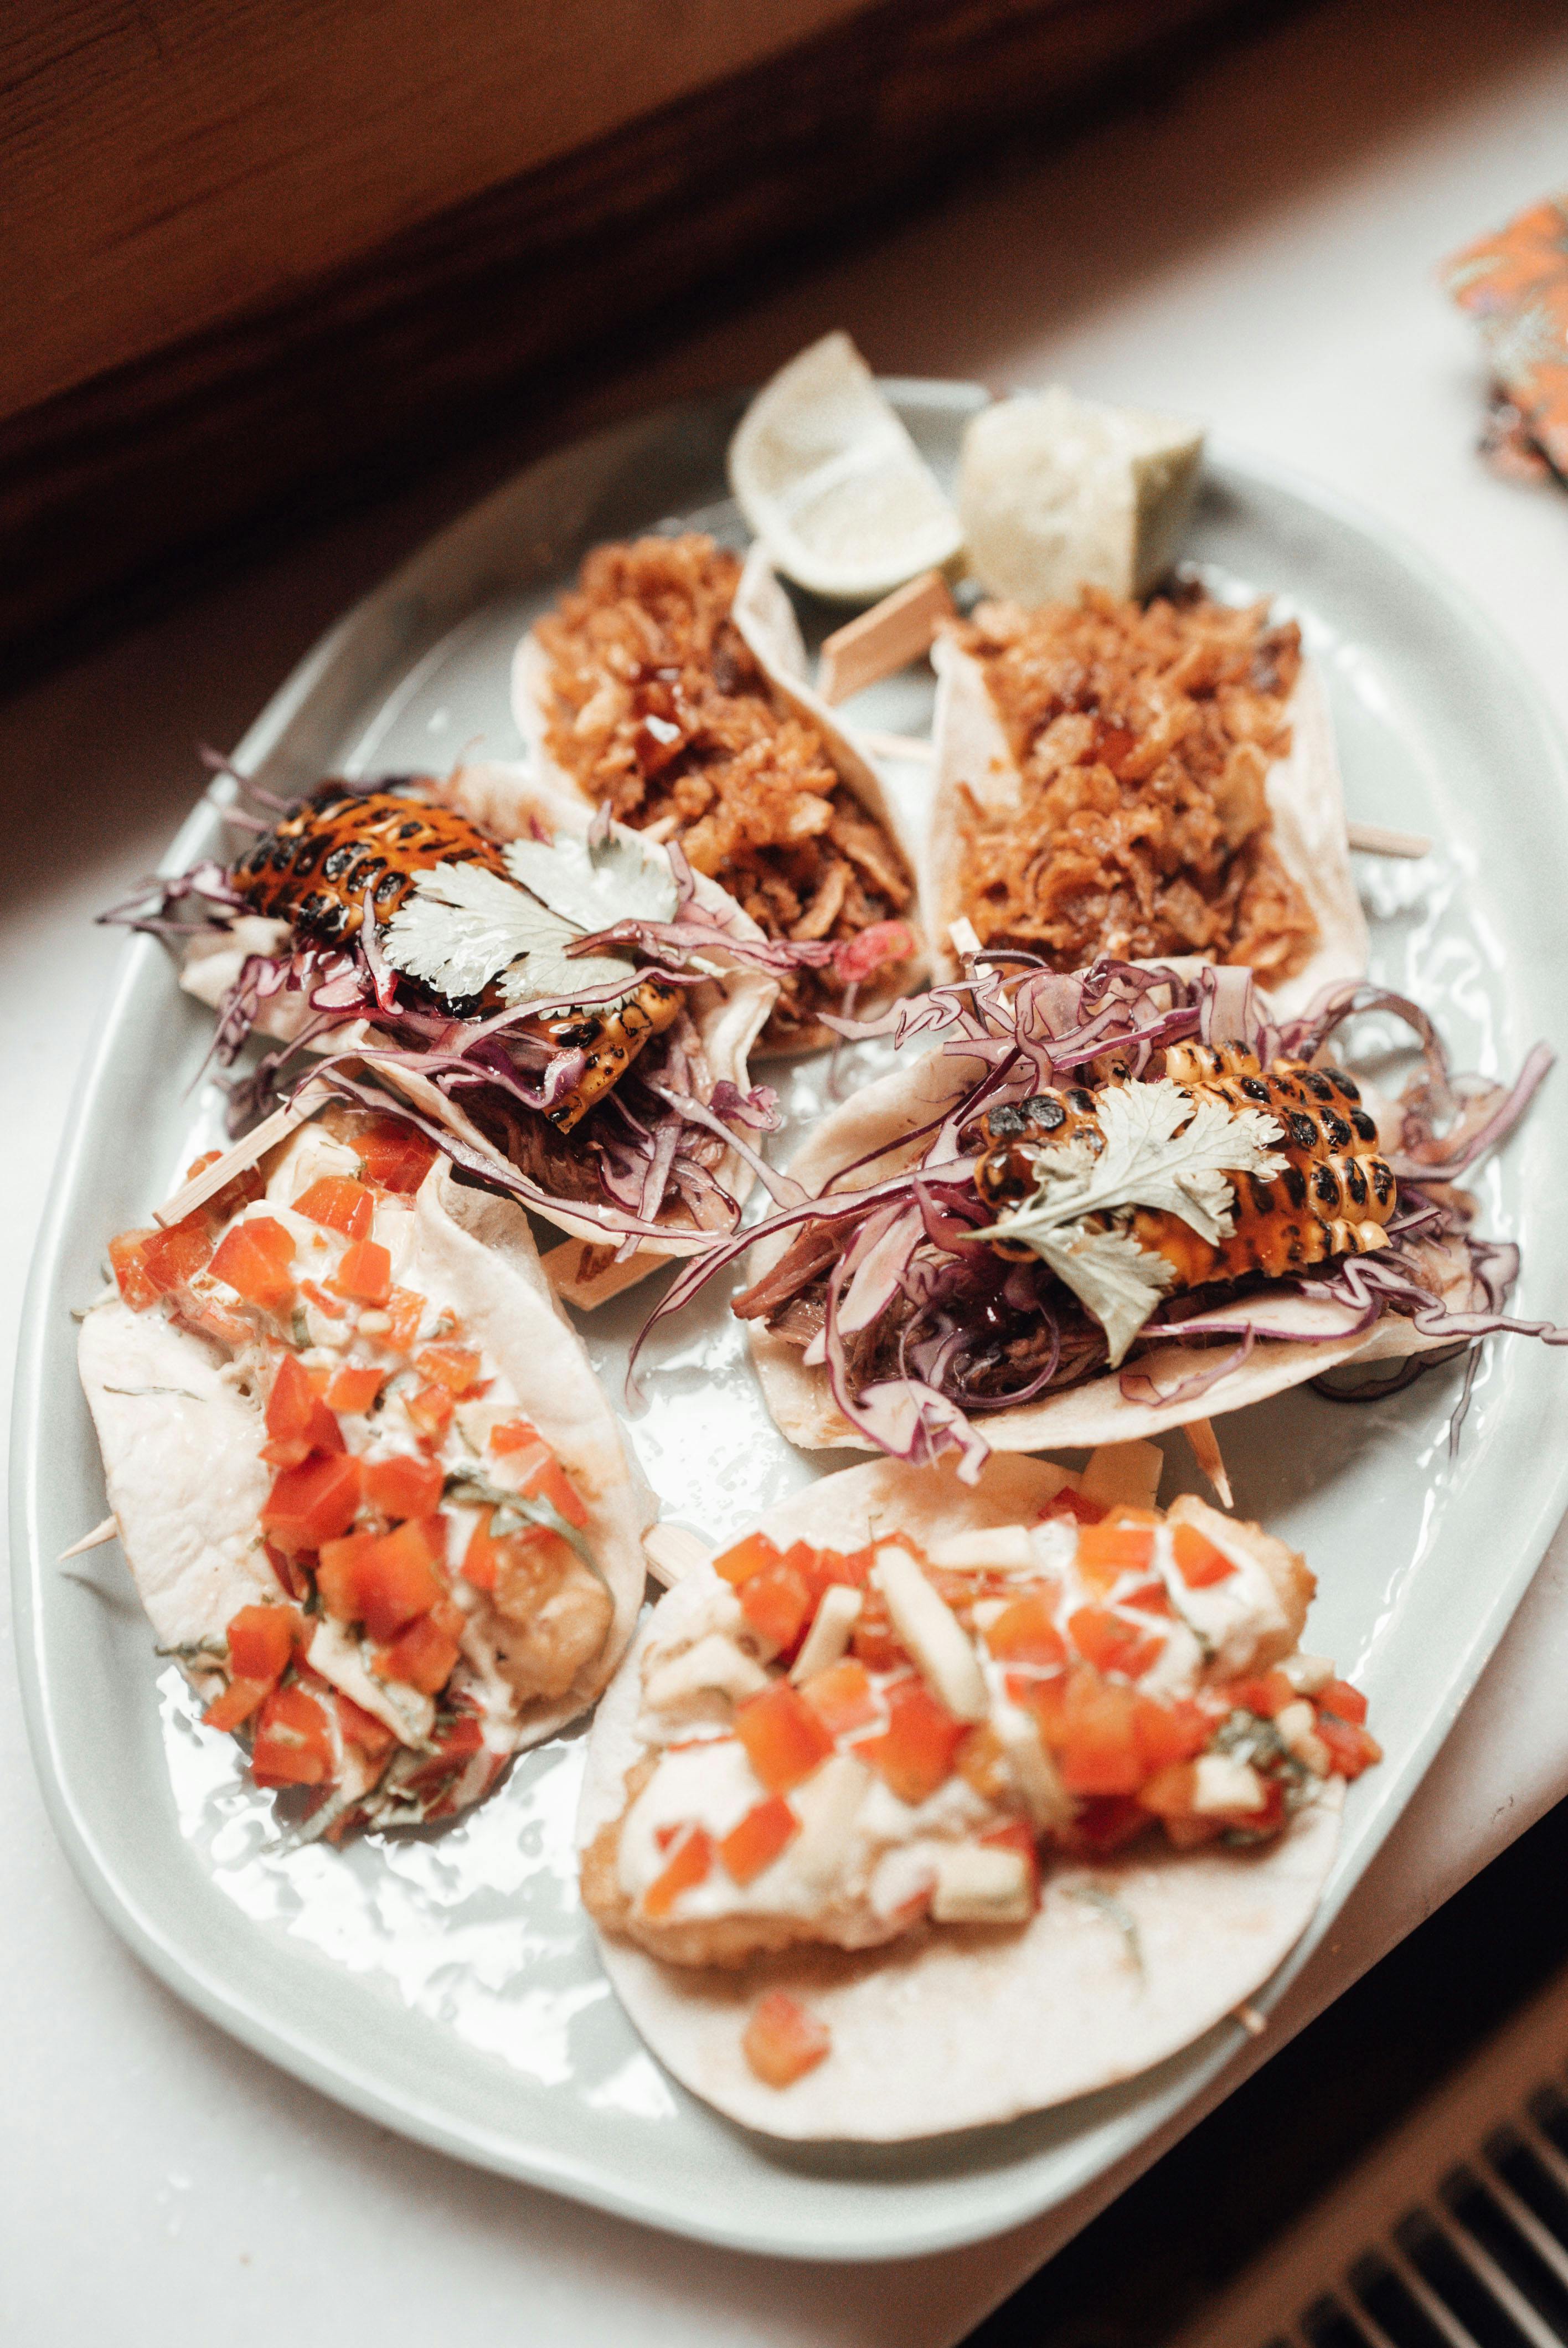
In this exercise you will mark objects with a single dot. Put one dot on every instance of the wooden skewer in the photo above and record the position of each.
(107, 1531)
(887, 637)
(672, 1553)
(255, 1146)
(1378, 839)
(895, 746)
(1251, 2021)
(1200, 1434)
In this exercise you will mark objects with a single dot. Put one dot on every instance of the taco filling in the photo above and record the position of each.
(659, 708)
(1143, 740)
(383, 1574)
(847, 1749)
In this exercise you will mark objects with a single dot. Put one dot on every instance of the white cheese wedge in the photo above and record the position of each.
(829, 1633)
(1225, 1785)
(993, 1548)
(979, 1886)
(1034, 1771)
(932, 1632)
(714, 1666)
(1296, 1728)
(827, 1805)
(1056, 493)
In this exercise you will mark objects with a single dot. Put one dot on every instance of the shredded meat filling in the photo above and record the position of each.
(1144, 740)
(660, 708)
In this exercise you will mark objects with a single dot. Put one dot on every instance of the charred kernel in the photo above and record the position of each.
(1299, 1129)
(1314, 1081)
(1043, 1110)
(1081, 1101)
(1363, 1126)
(1325, 1184)
(1261, 1194)
(1295, 1182)
(1010, 1119)
(1256, 1089)
(1356, 1183)
(1335, 1132)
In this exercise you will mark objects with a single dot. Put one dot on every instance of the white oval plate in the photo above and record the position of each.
(448, 1988)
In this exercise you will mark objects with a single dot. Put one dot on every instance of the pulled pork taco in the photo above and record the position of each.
(1140, 782)
(564, 1007)
(372, 1495)
(1110, 1204)
(927, 1804)
(671, 685)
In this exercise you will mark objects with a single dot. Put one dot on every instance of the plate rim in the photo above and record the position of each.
(341, 2076)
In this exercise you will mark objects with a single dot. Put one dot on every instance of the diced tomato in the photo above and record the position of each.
(757, 1841)
(873, 1641)
(384, 1579)
(456, 1367)
(128, 1264)
(199, 1165)
(1169, 1731)
(238, 1191)
(1266, 1697)
(1026, 1633)
(544, 1479)
(423, 1656)
(1271, 1818)
(1149, 1598)
(1351, 1748)
(783, 1737)
(407, 1486)
(1198, 1562)
(253, 1258)
(291, 1579)
(513, 1435)
(393, 1155)
(430, 1408)
(841, 1697)
(1106, 1821)
(1017, 1837)
(855, 958)
(355, 1387)
(1343, 1701)
(776, 1602)
(1168, 1792)
(339, 1203)
(239, 1700)
(692, 1861)
(262, 1639)
(854, 1570)
(782, 2041)
(332, 1306)
(913, 1754)
(177, 1254)
(298, 1421)
(364, 1272)
(747, 1557)
(405, 1311)
(481, 1560)
(1114, 1546)
(1073, 1505)
(1089, 1723)
(455, 1747)
(360, 1727)
(293, 1741)
(1111, 1644)
(312, 1503)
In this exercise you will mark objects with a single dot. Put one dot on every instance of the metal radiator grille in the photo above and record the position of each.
(1452, 2234)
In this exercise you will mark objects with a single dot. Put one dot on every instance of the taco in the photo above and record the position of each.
(371, 1494)
(928, 1805)
(671, 687)
(1078, 1222)
(426, 938)
(1144, 783)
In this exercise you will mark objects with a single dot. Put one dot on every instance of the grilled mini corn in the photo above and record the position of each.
(313, 867)
(610, 1035)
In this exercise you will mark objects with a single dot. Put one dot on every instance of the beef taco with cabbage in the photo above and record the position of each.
(929, 1804)
(372, 1495)
(671, 686)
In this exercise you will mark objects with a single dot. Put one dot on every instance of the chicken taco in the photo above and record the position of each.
(671, 685)
(1143, 783)
(372, 1495)
(927, 1803)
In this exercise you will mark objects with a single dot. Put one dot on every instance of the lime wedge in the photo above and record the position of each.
(831, 483)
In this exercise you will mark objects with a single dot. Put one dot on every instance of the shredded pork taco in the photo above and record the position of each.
(927, 1805)
(671, 685)
(1112, 1203)
(1142, 783)
(565, 1008)
(372, 1498)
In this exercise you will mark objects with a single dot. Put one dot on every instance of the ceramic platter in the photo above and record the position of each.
(449, 1987)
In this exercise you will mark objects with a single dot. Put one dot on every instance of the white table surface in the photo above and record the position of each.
(1258, 251)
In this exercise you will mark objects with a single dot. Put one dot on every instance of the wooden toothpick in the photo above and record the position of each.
(887, 637)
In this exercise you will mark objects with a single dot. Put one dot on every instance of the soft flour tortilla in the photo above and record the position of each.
(180, 1443)
(765, 618)
(729, 1013)
(959, 2027)
(905, 1102)
(1306, 801)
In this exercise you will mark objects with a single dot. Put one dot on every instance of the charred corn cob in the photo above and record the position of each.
(610, 1035)
(313, 869)
(1332, 1196)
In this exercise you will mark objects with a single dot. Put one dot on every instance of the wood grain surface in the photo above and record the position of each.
(114, 493)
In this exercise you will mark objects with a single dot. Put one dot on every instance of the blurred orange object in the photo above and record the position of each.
(1515, 286)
